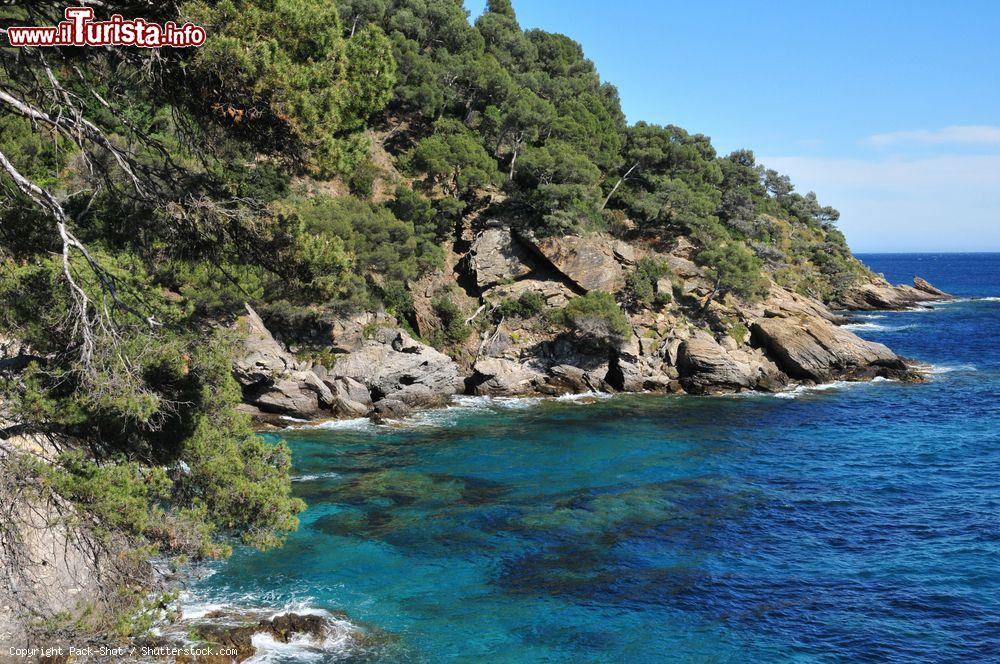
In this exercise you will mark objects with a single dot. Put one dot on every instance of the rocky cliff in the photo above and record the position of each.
(692, 341)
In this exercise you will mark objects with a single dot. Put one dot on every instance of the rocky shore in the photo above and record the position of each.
(696, 343)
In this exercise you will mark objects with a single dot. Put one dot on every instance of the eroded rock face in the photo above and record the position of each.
(273, 381)
(879, 295)
(351, 397)
(494, 376)
(496, 257)
(588, 262)
(814, 349)
(704, 365)
(392, 365)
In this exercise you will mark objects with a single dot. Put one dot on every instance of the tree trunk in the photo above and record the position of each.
(618, 184)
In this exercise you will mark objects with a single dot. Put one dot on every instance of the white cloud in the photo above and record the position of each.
(946, 203)
(982, 135)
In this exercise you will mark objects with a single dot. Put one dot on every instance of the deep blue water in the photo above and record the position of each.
(857, 523)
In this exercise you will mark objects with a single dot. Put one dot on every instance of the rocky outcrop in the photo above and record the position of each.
(496, 258)
(235, 631)
(697, 345)
(273, 381)
(494, 376)
(705, 365)
(393, 366)
(880, 295)
(811, 348)
(554, 293)
(590, 263)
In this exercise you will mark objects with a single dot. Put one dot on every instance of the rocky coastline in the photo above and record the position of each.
(695, 343)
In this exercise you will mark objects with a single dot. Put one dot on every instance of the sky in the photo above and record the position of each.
(888, 109)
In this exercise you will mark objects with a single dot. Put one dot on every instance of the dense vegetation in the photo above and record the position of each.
(311, 157)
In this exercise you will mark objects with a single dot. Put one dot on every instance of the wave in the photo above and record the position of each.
(446, 415)
(355, 424)
(337, 642)
(584, 396)
(936, 369)
(339, 639)
(317, 476)
(875, 327)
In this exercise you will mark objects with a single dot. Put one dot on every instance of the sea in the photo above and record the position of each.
(852, 522)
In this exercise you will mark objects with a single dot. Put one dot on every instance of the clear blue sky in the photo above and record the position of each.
(889, 110)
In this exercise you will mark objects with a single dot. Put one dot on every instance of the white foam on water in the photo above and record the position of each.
(936, 369)
(338, 641)
(317, 476)
(584, 396)
(875, 327)
(354, 424)
(800, 390)
(486, 403)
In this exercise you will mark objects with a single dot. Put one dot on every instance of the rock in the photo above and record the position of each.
(554, 293)
(672, 351)
(236, 632)
(392, 365)
(390, 409)
(350, 397)
(501, 377)
(347, 333)
(625, 375)
(706, 366)
(273, 381)
(496, 257)
(624, 252)
(664, 287)
(923, 285)
(815, 349)
(588, 262)
(782, 302)
(879, 295)
(263, 358)
(568, 378)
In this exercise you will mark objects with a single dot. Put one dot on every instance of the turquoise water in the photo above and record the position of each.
(855, 523)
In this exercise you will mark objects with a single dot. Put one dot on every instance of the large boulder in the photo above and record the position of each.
(350, 397)
(392, 365)
(273, 381)
(705, 366)
(496, 257)
(262, 358)
(568, 378)
(494, 376)
(811, 348)
(588, 262)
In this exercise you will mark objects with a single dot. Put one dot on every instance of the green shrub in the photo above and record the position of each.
(595, 318)
(640, 283)
(452, 321)
(530, 303)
